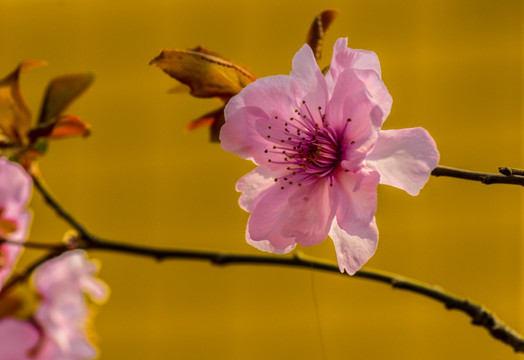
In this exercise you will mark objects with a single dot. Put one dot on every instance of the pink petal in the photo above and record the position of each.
(11, 252)
(404, 158)
(367, 67)
(357, 194)
(267, 246)
(345, 58)
(261, 100)
(378, 91)
(16, 339)
(15, 188)
(354, 249)
(269, 212)
(312, 212)
(252, 184)
(309, 83)
(291, 215)
(15, 191)
(353, 113)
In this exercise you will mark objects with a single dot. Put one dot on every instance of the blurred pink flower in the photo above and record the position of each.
(15, 191)
(58, 330)
(321, 154)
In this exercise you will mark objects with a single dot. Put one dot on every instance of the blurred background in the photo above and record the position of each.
(453, 67)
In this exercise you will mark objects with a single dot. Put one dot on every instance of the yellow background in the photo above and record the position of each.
(453, 67)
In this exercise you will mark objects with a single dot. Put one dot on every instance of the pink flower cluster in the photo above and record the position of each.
(321, 152)
(58, 328)
(15, 192)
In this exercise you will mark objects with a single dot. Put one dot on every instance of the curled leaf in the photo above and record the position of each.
(15, 116)
(317, 31)
(65, 126)
(205, 72)
(61, 92)
(69, 126)
(215, 119)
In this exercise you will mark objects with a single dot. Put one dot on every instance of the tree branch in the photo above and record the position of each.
(480, 316)
(509, 176)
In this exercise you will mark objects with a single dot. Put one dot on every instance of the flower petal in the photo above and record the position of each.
(252, 184)
(404, 158)
(354, 249)
(345, 58)
(267, 246)
(17, 338)
(309, 83)
(15, 188)
(269, 212)
(367, 67)
(312, 212)
(352, 112)
(291, 215)
(264, 99)
(9, 253)
(357, 194)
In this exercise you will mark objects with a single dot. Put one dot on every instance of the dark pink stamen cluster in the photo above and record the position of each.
(306, 145)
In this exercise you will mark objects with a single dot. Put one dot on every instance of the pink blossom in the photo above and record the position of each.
(58, 329)
(15, 192)
(321, 153)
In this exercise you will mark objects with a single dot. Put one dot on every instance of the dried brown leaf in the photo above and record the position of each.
(15, 116)
(215, 119)
(61, 92)
(317, 31)
(205, 72)
(65, 126)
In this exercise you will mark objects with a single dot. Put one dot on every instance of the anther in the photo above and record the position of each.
(349, 119)
(265, 151)
(269, 136)
(303, 101)
(352, 142)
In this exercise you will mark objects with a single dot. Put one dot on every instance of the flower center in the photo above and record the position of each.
(306, 145)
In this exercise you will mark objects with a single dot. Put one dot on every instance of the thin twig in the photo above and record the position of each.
(485, 178)
(58, 208)
(511, 171)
